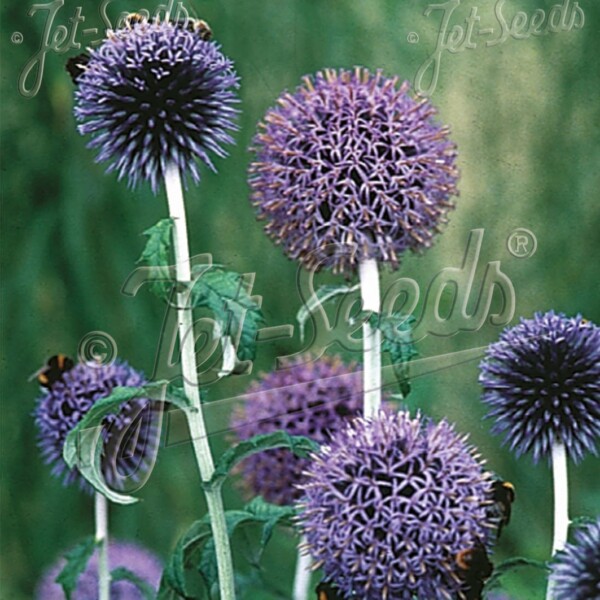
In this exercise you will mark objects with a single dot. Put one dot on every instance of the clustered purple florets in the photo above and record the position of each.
(351, 167)
(136, 559)
(130, 436)
(541, 381)
(312, 399)
(155, 94)
(389, 503)
(576, 569)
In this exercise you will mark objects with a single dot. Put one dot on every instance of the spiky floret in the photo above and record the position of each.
(576, 569)
(541, 382)
(130, 436)
(305, 397)
(390, 502)
(349, 167)
(154, 94)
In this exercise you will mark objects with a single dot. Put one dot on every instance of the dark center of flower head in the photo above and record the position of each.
(157, 94)
(542, 380)
(350, 160)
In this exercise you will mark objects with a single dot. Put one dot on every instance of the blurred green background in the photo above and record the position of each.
(525, 116)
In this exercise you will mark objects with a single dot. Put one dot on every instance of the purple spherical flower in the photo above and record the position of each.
(312, 399)
(130, 436)
(576, 569)
(120, 554)
(155, 94)
(541, 381)
(350, 167)
(388, 505)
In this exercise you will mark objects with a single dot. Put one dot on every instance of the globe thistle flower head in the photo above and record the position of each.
(312, 399)
(389, 503)
(153, 95)
(120, 554)
(130, 436)
(541, 382)
(576, 569)
(350, 167)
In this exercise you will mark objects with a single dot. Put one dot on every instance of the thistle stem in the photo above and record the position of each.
(561, 503)
(101, 518)
(369, 290)
(189, 371)
(303, 574)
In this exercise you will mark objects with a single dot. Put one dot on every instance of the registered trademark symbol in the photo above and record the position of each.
(521, 243)
(412, 37)
(16, 37)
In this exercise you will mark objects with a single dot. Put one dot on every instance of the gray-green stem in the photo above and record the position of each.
(369, 290)
(189, 372)
(561, 504)
(101, 519)
(303, 573)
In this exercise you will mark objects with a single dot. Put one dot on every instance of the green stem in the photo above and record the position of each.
(189, 371)
(369, 290)
(101, 518)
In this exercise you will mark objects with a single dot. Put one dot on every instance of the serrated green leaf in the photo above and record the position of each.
(396, 339)
(321, 296)
(257, 513)
(156, 254)
(123, 574)
(224, 293)
(173, 577)
(77, 560)
(299, 445)
(83, 445)
(510, 565)
(581, 521)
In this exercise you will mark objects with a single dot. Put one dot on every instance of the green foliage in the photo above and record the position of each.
(83, 445)
(77, 559)
(157, 254)
(253, 527)
(225, 294)
(222, 292)
(121, 573)
(298, 444)
(324, 294)
(396, 339)
(510, 565)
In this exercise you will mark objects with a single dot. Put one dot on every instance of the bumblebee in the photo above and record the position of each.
(503, 495)
(198, 26)
(53, 370)
(326, 591)
(76, 65)
(474, 569)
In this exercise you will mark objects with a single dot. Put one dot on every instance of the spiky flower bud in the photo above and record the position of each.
(130, 436)
(350, 167)
(154, 94)
(388, 505)
(541, 381)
